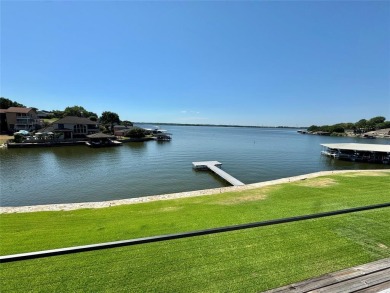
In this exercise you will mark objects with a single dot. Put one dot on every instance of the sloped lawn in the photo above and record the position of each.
(245, 261)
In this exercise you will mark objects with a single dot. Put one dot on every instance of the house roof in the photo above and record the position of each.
(47, 129)
(100, 135)
(75, 120)
(18, 110)
(3, 110)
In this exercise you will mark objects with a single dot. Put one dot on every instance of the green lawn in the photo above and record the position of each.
(246, 261)
(51, 120)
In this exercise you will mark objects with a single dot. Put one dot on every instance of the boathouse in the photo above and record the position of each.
(102, 140)
(359, 152)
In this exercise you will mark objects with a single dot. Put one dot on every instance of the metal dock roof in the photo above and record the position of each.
(359, 147)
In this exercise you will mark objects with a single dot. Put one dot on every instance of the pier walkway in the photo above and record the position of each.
(214, 166)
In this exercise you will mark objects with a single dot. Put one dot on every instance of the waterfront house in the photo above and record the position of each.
(120, 130)
(71, 127)
(14, 119)
(44, 114)
(75, 127)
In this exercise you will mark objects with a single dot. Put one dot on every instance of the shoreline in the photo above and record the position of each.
(383, 133)
(151, 198)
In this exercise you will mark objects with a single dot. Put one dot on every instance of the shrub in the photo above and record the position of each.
(136, 132)
(18, 138)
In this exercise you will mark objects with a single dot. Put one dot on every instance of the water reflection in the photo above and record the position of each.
(137, 147)
(334, 164)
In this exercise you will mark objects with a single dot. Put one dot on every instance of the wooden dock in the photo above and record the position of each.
(368, 278)
(214, 166)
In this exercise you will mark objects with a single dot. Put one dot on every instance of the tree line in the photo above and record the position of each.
(108, 119)
(362, 126)
(7, 103)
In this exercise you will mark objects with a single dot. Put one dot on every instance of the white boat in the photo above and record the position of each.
(160, 134)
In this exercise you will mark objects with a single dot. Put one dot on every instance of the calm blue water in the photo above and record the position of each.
(82, 174)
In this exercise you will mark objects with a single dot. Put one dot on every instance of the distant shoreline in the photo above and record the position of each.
(380, 133)
(145, 199)
(219, 125)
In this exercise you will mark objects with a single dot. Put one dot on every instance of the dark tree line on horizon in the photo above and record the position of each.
(362, 126)
(108, 119)
(7, 103)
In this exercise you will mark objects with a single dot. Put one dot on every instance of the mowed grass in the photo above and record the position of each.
(246, 261)
(51, 120)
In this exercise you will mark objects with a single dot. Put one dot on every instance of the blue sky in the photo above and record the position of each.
(294, 63)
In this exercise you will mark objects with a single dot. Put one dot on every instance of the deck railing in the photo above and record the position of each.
(251, 257)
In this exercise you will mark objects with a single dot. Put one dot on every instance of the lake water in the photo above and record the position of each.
(81, 174)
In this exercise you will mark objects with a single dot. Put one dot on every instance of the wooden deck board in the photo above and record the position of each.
(384, 287)
(371, 277)
(358, 283)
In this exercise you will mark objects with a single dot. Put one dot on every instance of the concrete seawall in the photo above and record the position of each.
(104, 204)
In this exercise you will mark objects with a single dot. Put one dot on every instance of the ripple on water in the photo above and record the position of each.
(80, 174)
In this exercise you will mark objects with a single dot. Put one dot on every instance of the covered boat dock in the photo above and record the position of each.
(360, 152)
(102, 140)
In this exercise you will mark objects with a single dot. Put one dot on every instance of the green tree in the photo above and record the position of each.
(136, 132)
(339, 128)
(349, 125)
(313, 128)
(383, 125)
(377, 120)
(109, 119)
(127, 123)
(18, 138)
(77, 111)
(6, 103)
(361, 124)
(58, 114)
